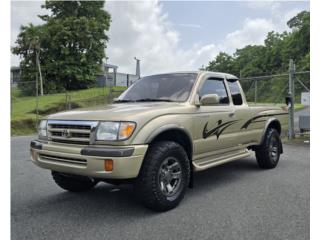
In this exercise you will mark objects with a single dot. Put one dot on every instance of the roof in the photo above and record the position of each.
(219, 74)
(130, 74)
(13, 68)
(216, 74)
(110, 65)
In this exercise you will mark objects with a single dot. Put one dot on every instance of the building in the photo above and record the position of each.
(114, 78)
(15, 75)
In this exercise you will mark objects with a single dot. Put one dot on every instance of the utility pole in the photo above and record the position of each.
(37, 101)
(291, 95)
(137, 67)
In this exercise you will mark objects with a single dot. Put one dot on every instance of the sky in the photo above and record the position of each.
(176, 35)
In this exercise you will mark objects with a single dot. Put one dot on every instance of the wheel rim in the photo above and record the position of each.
(274, 149)
(170, 176)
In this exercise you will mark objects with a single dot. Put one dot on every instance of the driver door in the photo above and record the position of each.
(213, 123)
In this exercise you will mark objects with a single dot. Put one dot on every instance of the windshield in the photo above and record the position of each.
(164, 87)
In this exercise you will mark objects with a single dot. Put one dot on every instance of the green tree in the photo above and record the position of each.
(270, 58)
(250, 61)
(275, 61)
(29, 42)
(72, 41)
(274, 55)
(222, 63)
(297, 44)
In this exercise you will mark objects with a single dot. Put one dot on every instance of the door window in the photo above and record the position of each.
(215, 86)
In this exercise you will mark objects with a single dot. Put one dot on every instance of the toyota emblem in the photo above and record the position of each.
(66, 133)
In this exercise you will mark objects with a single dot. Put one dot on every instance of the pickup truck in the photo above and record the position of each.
(158, 132)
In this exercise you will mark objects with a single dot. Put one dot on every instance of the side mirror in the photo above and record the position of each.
(209, 99)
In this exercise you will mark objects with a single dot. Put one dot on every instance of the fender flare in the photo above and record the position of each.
(178, 127)
(167, 127)
(268, 123)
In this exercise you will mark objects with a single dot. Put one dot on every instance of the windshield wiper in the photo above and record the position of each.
(143, 100)
(153, 100)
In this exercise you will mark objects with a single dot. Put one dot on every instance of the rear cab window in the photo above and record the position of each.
(235, 92)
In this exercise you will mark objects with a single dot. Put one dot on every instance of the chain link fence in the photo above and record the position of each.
(274, 89)
(26, 110)
(271, 89)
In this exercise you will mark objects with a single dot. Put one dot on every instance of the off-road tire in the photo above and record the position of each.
(148, 184)
(268, 153)
(73, 183)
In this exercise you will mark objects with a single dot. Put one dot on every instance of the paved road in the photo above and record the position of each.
(233, 201)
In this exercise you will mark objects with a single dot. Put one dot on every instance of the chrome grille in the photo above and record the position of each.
(72, 132)
(62, 126)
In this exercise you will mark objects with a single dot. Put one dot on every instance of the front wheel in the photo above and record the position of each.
(73, 183)
(268, 153)
(164, 176)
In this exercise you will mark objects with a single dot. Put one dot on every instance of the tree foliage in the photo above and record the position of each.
(222, 63)
(71, 43)
(273, 56)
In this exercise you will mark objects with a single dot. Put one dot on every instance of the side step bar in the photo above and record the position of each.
(218, 161)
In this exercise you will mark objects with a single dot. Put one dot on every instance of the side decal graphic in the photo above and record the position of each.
(216, 130)
(252, 120)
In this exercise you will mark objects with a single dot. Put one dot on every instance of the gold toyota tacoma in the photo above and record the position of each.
(159, 131)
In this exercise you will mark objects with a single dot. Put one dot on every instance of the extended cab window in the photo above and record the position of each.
(235, 92)
(215, 86)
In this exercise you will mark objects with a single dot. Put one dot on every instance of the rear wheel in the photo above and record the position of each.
(268, 153)
(164, 176)
(73, 183)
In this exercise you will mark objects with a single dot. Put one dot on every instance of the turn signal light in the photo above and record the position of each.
(108, 165)
(126, 130)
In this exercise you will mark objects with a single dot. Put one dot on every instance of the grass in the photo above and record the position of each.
(298, 106)
(23, 108)
(299, 139)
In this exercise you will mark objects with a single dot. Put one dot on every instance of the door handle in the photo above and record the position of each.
(231, 114)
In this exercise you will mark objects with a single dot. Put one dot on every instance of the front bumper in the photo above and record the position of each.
(89, 160)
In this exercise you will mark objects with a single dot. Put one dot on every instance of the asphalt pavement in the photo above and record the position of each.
(233, 201)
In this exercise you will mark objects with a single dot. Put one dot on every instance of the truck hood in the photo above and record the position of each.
(124, 111)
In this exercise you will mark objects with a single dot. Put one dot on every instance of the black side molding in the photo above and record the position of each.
(36, 145)
(107, 152)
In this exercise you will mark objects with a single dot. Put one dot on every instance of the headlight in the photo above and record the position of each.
(112, 131)
(108, 131)
(42, 129)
